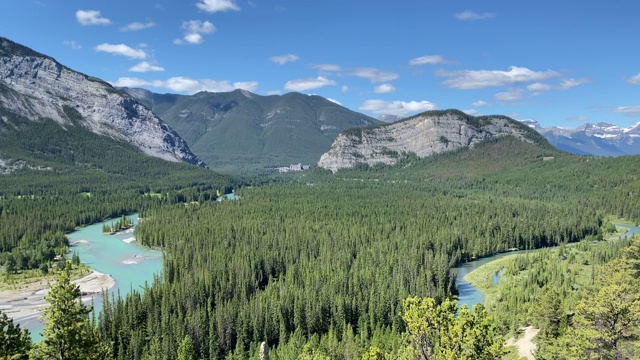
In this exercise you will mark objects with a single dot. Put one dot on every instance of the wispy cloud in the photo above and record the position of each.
(578, 118)
(374, 74)
(91, 17)
(326, 67)
(470, 15)
(509, 95)
(193, 31)
(283, 59)
(308, 84)
(635, 80)
(427, 60)
(137, 26)
(72, 44)
(335, 101)
(480, 79)
(122, 50)
(188, 85)
(213, 6)
(145, 67)
(384, 88)
(398, 107)
(631, 111)
(565, 84)
(480, 103)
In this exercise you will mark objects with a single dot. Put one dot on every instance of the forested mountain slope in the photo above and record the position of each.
(240, 130)
(35, 89)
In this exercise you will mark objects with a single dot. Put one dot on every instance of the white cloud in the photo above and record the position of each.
(480, 103)
(187, 85)
(274, 92)
(635, 80)
(335, 101)
(326, 67)
(72, 44)
(400, 108)
(213, 6)
(427, 60)
(567, 84)
(121, 49)
(374, 75)
(578, 118)
(480, 79)
(470, 15)
(384, 88)
(283, 59)
(631, 111)
(472, 112)
(91, 17)
(145, 66)
(509, 95)
(344, 88)
(538, 87)
(193, 31)
(308, 84)
(136, 26)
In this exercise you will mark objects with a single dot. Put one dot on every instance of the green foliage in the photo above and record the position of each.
(68, 333)
(444, 332)
(122, 224)
(14, 343)
(185, 349)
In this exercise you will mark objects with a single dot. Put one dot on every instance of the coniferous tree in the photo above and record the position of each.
(68, 332)
(14, 343)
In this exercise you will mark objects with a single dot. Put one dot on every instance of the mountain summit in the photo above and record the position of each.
(425, 134)
(35, 87)
(600, 139)
(240, 130)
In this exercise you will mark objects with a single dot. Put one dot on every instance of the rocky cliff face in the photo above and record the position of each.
(36, 86)
(424, 134)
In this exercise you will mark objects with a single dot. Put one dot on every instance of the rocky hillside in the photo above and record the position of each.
(34, 86)
(601, 139)
(243, 131)
(425, 134)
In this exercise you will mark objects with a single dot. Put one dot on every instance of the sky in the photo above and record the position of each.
(561, 63)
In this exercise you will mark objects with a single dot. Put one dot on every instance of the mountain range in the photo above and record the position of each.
(243, 131)
(42, 103)
(601, 139)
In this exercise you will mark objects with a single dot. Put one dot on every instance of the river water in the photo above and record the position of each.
(470, 296)
(130, 265)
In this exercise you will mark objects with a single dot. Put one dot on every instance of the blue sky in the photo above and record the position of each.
(558, 62)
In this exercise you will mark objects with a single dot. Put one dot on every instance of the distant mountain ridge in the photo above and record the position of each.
(34, 87)
(240, 130)
(425, 134)
(600, 139)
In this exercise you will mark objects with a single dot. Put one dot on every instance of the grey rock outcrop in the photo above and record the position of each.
(425, 134)
(36, 86)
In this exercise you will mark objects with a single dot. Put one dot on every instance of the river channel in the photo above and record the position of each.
(119, 255)
(470, 296)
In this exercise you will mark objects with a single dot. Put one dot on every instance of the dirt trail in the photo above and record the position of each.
(525, 344)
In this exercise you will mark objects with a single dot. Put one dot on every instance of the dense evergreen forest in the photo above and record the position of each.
(321, 265)
(324, 263)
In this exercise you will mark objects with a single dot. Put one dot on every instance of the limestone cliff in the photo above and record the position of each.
(425, 134)
(36, 86)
